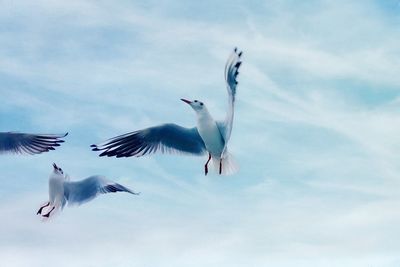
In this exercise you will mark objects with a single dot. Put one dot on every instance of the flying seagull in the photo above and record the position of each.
(24, 143)
(61, 190)
(209, 136)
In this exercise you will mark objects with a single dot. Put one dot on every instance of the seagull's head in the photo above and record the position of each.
(57, 170)
(195, 104)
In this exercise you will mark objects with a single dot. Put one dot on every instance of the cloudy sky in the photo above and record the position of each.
(316, 132)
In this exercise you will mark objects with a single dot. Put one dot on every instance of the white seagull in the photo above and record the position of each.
(209, 136)
(24, 143)
(61, 190)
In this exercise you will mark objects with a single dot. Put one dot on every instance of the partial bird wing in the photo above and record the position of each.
(83, 191)
(169, 138)
(23, 143)
(231, 73)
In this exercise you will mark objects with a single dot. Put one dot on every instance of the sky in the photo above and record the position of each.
(316, 131)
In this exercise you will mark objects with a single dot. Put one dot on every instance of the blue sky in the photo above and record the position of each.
(316, 131)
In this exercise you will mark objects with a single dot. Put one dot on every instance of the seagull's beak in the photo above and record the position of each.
(186, 101)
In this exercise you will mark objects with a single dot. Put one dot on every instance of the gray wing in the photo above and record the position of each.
(83, 191)
(231, 73)
(23, 143)
(169, 138)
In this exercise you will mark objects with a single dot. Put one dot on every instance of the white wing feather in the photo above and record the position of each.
(231, 73)
(79, 192)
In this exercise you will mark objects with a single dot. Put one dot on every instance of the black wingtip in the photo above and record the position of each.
(103, 154)
(94, 148)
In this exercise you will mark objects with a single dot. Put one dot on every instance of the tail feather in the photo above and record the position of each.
(229, 165)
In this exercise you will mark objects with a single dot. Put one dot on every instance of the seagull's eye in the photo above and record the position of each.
(201, 103)
(195, 101)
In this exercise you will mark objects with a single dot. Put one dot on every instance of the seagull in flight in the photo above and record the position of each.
(62, 190)
(24, 143)
(209, 136)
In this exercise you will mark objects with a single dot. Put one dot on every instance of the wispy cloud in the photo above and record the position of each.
(316, 131)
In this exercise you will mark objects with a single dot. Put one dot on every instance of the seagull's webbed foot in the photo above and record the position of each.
(47, 215)
(41, 208)
(206, 165)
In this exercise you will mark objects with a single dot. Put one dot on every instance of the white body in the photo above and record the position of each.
(56, 189)
(214, 141)
(210, 133)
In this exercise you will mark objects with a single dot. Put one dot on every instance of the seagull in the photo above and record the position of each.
(62, 190)
(209, 136)
(24, 143)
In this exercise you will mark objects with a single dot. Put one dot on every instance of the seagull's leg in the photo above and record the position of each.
(48, 214)
(220, 166)
(206, 166)
(41, 208)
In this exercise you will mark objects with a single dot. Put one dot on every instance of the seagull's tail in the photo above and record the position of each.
(228, 164)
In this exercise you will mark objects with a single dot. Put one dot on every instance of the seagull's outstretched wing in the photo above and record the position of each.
(169, 138)
(14, 142)
(83, 191)
(231, 73)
